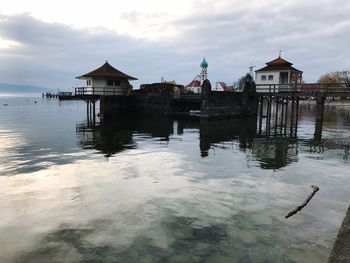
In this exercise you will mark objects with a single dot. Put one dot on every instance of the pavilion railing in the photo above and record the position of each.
(303, 87)
(100, 91)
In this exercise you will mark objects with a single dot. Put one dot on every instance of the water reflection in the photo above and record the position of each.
(183, 241)
(111, 137)
(213, 132)
(275, 152)
(171, 191)
(269, 151)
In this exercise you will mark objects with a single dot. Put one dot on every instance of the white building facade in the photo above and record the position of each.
(277, 75)
(105, 80)
(195, 86)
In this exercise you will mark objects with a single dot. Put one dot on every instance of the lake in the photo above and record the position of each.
(156, 189)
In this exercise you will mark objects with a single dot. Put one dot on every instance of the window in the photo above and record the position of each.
(88, 82)
(113, 82)
(263, 77)
(270, 77)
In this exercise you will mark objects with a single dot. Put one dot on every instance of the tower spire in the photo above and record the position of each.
(204, 73)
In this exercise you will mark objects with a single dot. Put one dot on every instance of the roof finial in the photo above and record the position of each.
(106, 61)
(279, 55)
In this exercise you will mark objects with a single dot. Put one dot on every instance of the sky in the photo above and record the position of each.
(49, 43)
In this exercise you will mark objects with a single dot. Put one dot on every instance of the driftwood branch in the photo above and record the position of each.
(296, 210)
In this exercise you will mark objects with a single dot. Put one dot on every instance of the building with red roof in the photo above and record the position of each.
(107, 80)
(279, 72)
(195, 85)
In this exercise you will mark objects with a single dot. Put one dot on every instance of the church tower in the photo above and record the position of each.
(204, 72)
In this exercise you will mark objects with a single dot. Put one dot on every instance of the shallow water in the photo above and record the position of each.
(155, 189)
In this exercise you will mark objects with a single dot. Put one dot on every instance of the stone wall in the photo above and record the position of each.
(164, 98)
(221, 104)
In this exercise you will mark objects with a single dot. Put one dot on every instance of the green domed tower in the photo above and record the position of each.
(204, 63)
(204, 72)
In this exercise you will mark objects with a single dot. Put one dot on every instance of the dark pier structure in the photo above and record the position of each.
(111, 88)
(279, 105)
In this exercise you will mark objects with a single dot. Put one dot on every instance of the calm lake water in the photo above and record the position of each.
(151, 189)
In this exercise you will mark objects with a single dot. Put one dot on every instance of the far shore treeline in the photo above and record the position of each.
(13, 88)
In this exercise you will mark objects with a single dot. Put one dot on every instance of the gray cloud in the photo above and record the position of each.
(313, 35)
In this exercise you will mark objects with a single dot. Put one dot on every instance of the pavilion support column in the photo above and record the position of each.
(276, 115)
(292, 116)
(286, 117)
(289, 81)
(268, 115)
(261, 113)
(87, 112)
(90, 106)
(296, 117)
(94, 111)
(282, 114)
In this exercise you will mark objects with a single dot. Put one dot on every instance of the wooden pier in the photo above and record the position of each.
(279, 105)
(90, 97)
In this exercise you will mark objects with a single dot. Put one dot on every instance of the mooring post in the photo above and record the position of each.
(320, 99)
(319, 116)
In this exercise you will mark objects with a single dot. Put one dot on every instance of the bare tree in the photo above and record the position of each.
(240, 83)
(337, 77)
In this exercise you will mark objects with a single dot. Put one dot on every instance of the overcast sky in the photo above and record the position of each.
(49, 43)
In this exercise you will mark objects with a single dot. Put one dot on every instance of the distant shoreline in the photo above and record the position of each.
(20, 95)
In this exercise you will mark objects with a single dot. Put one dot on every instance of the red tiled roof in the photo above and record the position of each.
(279, 61)
(107, 71)
(222, 84)
(279, 64)
(278, 68)
(225, 87)
(193, 83)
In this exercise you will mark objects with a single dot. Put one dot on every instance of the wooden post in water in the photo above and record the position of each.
(93, 112)
(296, 117)
(319, 116)
(87, 112)
(261, 113)
(282, 114)
(268, 117)
(286, 117)
(276, 115)
(292, 116)
(267, 114)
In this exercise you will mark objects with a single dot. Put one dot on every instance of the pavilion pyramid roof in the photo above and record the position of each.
(279, 61)
(278, 64)
(106, 71)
